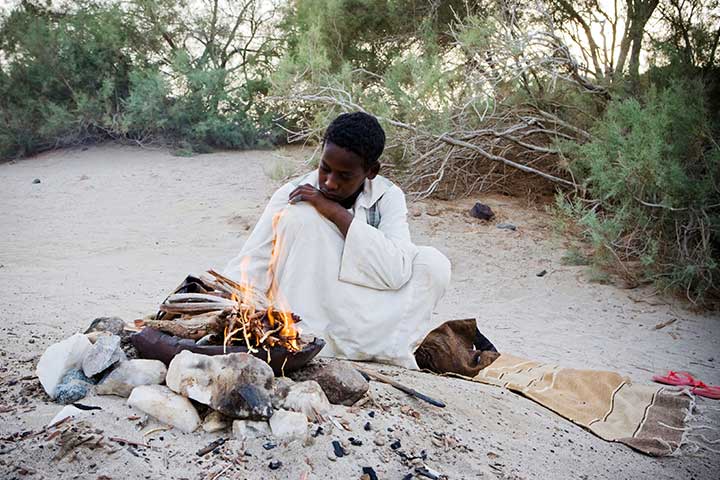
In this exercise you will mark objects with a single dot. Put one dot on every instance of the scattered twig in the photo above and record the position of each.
(129, 442)
(410, 391)
(665, 324)
(212, 446)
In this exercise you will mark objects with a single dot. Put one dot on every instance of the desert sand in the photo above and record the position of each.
(110, 230)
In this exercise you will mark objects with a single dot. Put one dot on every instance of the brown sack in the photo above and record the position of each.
(450, 349)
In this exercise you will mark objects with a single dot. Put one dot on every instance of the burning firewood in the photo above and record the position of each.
(214, 304)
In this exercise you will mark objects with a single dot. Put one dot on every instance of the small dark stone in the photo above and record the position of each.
(395, 445)
(355, 442)
(541, 274)
(275, 464)
(317, 432)
(409, 476)
(339, 450)
(367, 427)
(370, 473)
(269, 445)
(37, 180)
(371, 413)
(424, 472)
(482, 211)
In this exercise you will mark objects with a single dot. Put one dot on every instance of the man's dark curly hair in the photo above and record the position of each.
(360, 133)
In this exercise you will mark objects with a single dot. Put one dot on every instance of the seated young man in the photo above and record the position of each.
(334, 247)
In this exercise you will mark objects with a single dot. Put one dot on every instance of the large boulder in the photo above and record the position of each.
(237, 385)
(162, 403)
(105, 353)
(342, 383)
(131, 374)
(60, 358)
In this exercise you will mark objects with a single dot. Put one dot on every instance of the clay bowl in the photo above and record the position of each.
(157, 345)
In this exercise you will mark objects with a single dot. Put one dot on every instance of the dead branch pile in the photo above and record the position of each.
(473, 132)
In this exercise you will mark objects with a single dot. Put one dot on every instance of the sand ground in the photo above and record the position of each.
(110, 230)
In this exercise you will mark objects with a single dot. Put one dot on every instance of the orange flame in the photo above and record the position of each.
(279, 316)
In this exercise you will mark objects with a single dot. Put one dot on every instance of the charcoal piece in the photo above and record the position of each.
(482, 211)
(541, 274)
(269, 445)
(367, 427)
(355, 442)
(318, 431)
(395, 445)
(370, 473)
(275, 464)
(339, 450)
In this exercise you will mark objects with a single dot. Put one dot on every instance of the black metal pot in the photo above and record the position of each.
(157, 345)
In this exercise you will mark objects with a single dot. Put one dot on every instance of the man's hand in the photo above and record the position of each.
(326, 207)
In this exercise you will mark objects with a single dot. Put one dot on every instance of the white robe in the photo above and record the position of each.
(369, 295)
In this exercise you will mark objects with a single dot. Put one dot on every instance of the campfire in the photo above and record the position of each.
(218, 306)
(213, 314)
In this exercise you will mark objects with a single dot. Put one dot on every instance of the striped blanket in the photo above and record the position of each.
(648, 418)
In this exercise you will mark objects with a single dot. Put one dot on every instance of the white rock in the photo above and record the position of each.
(69, 411)
(131, 374)
(104, 353)
(288, 426)
(59, 358)
(162, 403)
(237, 385)
(215, 421)
(308, 398)
(243, 429)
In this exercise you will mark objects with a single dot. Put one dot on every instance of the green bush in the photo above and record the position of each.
(94, 70)
(653, 168)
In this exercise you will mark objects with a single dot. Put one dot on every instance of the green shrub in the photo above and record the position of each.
(654, 169)
(93, 70)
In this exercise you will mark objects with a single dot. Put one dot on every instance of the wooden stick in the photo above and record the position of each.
(665, 324)
(183, 297)
(193, 307)
(410, 391)
(129, 442)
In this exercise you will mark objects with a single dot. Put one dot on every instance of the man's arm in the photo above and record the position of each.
(382, 257)
(333, 211)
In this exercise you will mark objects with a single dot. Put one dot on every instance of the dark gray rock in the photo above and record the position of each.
(105, 353)
(114, 325)
(482, 211)
(73, 387)
(342, 383)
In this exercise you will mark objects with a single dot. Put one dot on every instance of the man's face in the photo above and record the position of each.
(341, 172)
